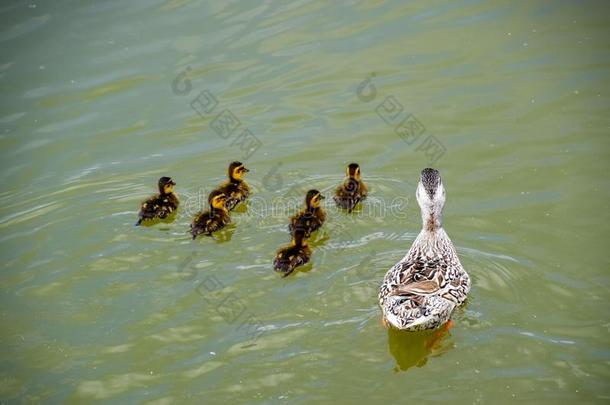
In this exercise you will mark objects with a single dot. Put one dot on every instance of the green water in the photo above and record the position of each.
(509, 100)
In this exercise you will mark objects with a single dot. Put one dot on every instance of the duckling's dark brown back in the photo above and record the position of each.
(288, 258)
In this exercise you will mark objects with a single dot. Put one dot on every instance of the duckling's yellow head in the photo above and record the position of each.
(353, 171)
(217, 200)
(313, 199)
(237, 170)
(166, 185)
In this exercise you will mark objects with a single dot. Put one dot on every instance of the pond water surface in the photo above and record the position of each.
(509, 101)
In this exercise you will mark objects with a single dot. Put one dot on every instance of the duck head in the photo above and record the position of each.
(313, 199)
(217, 200)
(430, 196)
(236, 171)
(353, 171)
(298, 238)
(166, 185)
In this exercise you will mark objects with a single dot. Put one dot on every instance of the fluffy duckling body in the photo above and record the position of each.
(422, 290)
(213, 219)
(352, 191)
(311, 218)
(161, 205)
(296, 254)
(235, 189)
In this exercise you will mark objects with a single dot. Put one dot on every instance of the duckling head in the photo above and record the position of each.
(298, 237)
(217, 200)
(166, 185)
(237, 170)
(430, 196)
(313, 199)
(353, 171)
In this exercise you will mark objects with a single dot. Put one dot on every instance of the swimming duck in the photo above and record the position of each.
(161, 205)
(352, 191)
(213, 219)
(236, 189)
(296, 254)
(422, 290)
(312, 217)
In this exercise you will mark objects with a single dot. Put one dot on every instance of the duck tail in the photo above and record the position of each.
(285, 270)
(282, 267)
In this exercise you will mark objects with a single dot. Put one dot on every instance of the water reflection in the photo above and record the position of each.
(156, 221)
(413, 348)
(225, 234)
(241, 208)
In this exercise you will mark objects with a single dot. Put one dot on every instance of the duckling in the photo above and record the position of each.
(236, 189)
(352, 191)
(213, 219)
(296, 254)
(312, 217)
(161, 205)
(422, 290)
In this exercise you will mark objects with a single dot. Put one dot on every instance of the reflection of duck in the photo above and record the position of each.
(422, 290)
(413, 348)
